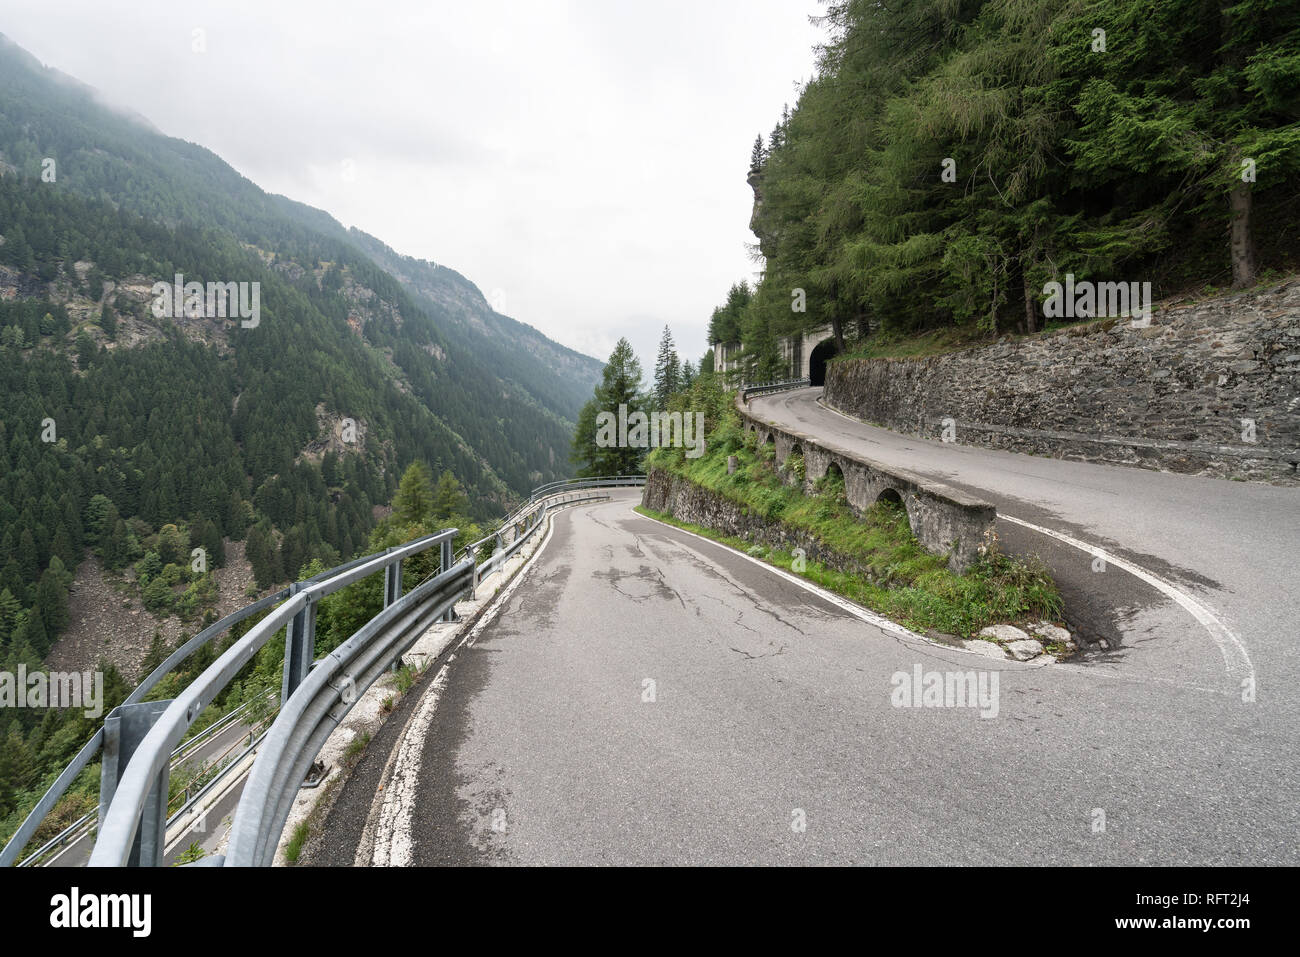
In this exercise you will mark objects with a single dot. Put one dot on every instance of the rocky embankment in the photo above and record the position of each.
(107, 622)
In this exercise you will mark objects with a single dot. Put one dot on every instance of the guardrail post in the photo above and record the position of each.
(392, 582)
(299, 646)
(446, 559)
(124, 729)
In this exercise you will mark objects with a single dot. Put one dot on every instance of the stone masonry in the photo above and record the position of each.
(1211, 388)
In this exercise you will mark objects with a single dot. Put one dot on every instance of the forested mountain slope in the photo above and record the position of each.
(951, 159)
(116, 424)
(559, 378)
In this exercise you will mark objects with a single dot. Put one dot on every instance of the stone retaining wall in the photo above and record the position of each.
(1210, 389)
(686, 501)
(944, 520)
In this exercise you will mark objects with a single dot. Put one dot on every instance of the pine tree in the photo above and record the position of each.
(113, 549)
(108, 321)
(449, 500)
(413, 503)
(1194, 92)
(209, 538)
(689, 375)
(583, 452)
(9, 611)
(86, 350)
(619, 393)
(259, 552)
(36, 635)
(157, 654)
(17, 769)
(667, 371)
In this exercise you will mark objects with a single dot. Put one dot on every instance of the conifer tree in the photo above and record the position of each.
(413, 503)
(602, 449)
(667, 370)
(449, 500)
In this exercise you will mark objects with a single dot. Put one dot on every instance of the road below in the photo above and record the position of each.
(209, 828)
(649, 697)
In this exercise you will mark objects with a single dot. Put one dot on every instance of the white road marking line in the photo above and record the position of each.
(1236, 660)
(1235, 657)
(393, 840)
(865, 614)
(857, 611)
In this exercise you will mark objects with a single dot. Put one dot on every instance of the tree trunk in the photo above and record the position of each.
(993, 300)
(1020, 277)
(837, 327)
(1031, 303)
(1242, 242)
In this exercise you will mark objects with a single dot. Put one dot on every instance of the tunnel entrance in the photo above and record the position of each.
(822, 353)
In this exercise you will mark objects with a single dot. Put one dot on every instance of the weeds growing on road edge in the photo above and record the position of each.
(293, 849)
(355, 747)
(900, 579)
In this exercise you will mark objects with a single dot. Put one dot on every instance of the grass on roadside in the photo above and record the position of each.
(355, 747)
(293, 850)
(896, 576)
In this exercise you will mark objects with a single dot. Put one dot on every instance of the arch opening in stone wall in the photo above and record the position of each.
(793, 467)
(833, 482)
(821, 354)
(890, 496)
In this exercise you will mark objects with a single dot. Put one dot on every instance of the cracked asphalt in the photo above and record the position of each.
(648, 697)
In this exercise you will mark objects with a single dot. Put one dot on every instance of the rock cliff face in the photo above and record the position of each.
(1211, 388)
(755, 181)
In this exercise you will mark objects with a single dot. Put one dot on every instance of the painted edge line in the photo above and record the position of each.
(1235, 657)
(391, 843)
(1236, 660)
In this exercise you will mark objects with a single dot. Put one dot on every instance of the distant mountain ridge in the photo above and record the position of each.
(44, 113)
(557, 375)
(207, 190)
(140, 435)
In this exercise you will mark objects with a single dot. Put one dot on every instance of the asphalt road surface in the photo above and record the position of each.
(649, 697)
(1231, 547)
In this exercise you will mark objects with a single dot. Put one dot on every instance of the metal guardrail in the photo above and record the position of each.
(130, 794)
(602, 481)
(141, 739)
(525, 520)
(20, 837)
(67, 835)
(328, 693)
(226, 764)
(320, 704)
(748, 391)
(78, 828)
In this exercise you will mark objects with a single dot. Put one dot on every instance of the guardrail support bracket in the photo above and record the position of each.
(450, 614)
(393, 582)
(124, 729)
(299, 648)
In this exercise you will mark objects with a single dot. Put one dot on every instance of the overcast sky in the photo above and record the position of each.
(582, 162)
